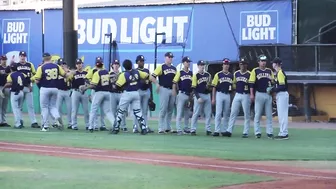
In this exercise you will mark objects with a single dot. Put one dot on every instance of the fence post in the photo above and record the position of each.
(316, 60)
(306, 102)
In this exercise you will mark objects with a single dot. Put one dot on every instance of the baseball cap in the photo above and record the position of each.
(201, 62)
(22, 53)
(99, 59)
(243, 61)
(61, 61)
(140, 58)
(226, 61)
(116, 61)
(3, 57)
(277, 60)
(262, 57)
(46, 55)
(169, 54)
(79, 61)
(186, 59)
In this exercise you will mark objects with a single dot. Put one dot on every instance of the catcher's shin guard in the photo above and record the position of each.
(141, 121)
(116, 125)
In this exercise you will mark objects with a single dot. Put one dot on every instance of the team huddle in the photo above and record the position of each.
(113, 92)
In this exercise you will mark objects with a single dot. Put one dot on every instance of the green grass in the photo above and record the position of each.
(304, 144)
(55, 173)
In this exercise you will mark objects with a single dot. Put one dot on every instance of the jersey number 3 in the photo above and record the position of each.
(51, 74)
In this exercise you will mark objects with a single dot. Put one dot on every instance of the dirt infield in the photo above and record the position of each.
(288, 177)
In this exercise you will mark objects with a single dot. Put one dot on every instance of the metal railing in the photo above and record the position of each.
(315, 59)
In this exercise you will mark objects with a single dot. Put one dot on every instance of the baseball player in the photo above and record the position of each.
(3, 101)
(222, 87)
(202, 100)
(77, 80)
(241, 98)
(64, 92)
(260, 79)
(15, 81)
(29, 70)
(182, 84)
(129, 80)
(101, 84)
(166, 73)
(47, 76)
(89, 76)
(116, 93)
(145, 92)
(282, 99)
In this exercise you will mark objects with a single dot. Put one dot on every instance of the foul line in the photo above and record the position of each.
(168, 162)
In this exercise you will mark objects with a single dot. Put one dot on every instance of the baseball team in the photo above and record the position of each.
(112, 92)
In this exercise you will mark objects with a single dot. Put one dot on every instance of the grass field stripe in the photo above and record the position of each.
(169, 162)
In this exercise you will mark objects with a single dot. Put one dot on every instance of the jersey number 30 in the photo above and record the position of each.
(51, 73)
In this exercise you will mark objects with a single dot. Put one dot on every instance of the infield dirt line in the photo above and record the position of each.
(92, 153)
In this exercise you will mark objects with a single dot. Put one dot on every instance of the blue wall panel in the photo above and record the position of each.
(204, 27)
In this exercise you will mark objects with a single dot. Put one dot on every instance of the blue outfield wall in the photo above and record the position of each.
(204, 28)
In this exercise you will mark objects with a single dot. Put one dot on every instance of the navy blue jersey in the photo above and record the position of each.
(28, 69)
(101, 79)
(3, 75)
(144, 83)
(113, 79)
(129, 80)
(281, 84)
(184, 80)
(241, 80)
(166, 75)
(261, 79)
(223, 82)
(200, 81)
(47, 74)
(78, 79)
(17, 79)
(63, 83)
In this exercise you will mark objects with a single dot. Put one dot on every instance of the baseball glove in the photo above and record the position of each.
(151, 105)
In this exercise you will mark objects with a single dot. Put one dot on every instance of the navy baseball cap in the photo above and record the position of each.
(22, 53)
(169, 54)
(79, 61)
(46, 55)
(186, 59)
(243, 61)
(3, 57)
(226, 61)
(61, 61)
(99, 59)
(262, 58)
(140, 58)
(201, 62)
(277, 60)
(116, 61)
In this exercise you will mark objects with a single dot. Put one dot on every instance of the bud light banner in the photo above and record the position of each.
(185, 30)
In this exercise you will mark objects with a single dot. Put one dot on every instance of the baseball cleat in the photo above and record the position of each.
(69, 127)
(215, 134)
(75, 128)
(226, 134)
(124, 130)
(270, 136)
(208, 133)
(102, 129)
(35, 125)
(161, 132)
(193, 133)
(90, 130)
(245, 136)
(144, 131)
(45, 129)
(186, 130)
(4, 125)
(96, 129)
(281, 137)
(114, 131)
(258, 135)
(167, 130)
